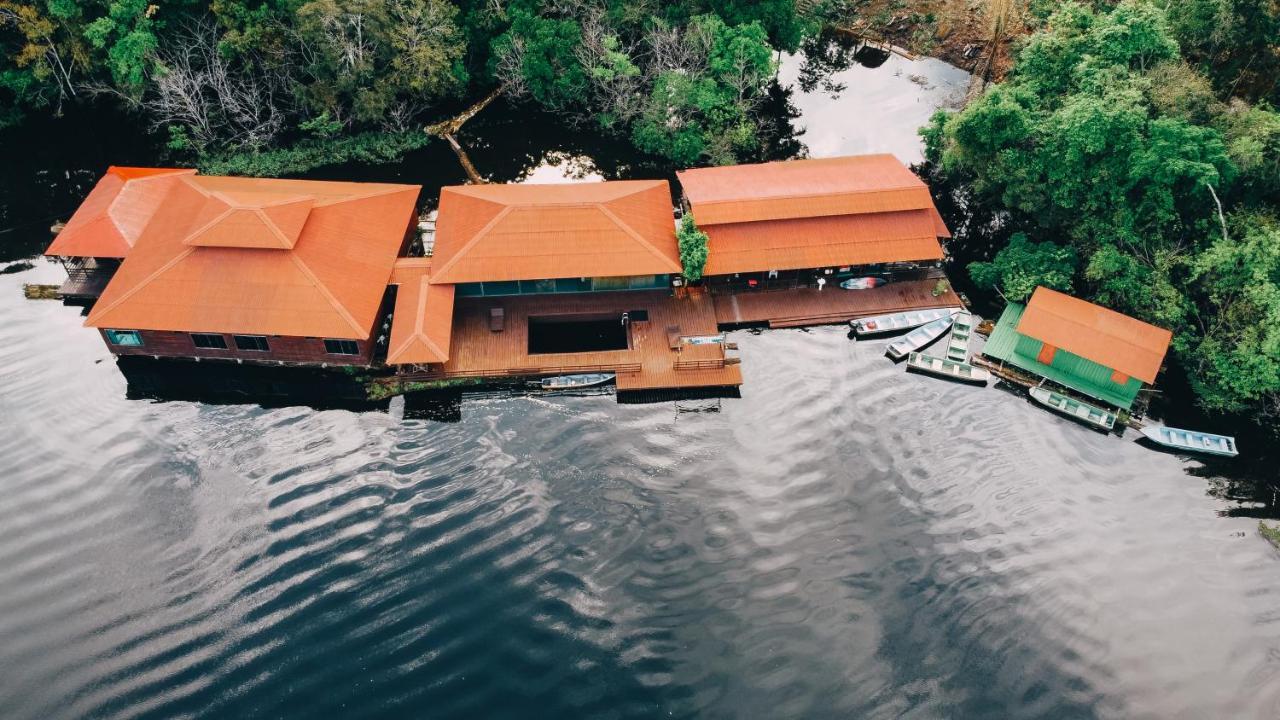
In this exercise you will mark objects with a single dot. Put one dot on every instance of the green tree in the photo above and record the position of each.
(693, 248)
(1022, 265)
(540, 55)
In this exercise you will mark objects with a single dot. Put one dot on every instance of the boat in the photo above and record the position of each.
(862, 283)
(574, 382)
(948, 369)
(1090, 415)
(961, 328)
(703, 339)
(893, 322)
(918, 338)
(1192, 440)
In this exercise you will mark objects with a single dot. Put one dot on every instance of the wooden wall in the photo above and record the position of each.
(301, 350)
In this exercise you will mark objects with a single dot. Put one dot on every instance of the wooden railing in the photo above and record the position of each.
(707, 364)
(619, 368)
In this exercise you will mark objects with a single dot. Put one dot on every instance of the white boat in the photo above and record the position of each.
(893, 322)
(961, 328)
(918, 338)
(1192, 440)
(862, 283)
(1090, 415)
(948, 369)
(573, 382)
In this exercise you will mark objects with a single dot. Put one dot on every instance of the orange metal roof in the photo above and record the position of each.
(322, 274)
(530, 232)
(1095, 333)
(803, 188)
(113, 215)
(422, 329)
(831, 241)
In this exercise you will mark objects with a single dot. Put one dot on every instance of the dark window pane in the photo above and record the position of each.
(251, 342)
(573, 285)
(508, 287)
(469, 289)
(209, 341)
(341, 347)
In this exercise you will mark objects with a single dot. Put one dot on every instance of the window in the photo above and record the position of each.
(125, 338)
(341, 347)
(256, 343)
(209, 341)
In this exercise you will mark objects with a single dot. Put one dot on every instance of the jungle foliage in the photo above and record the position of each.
(228, 80)
(1135, 156)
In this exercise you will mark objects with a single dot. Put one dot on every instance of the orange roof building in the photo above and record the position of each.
(494, 233)
(283, 270)
(821, 213)
(1099, 352)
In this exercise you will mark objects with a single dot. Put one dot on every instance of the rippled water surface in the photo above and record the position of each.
(844, 540)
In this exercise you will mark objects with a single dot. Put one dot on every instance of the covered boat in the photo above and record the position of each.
(573, 382)
(961, 328)
(893, 322)
(1090, 415)
(918, 338)
(948, 369)
(1192, 440)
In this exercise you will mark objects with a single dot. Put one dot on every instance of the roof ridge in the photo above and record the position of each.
(329, 296)
(603, 207)
(418, 330)
(275, 229)
(391, 189)
(96, 314)
(443, 269)
(797, 196)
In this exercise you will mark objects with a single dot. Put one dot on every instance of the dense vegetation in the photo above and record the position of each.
(268, 86)
(1136, 161)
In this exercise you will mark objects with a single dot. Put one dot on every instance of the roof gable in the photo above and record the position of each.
(1095, 333)
(423, 327)
(527, 232)
(252, 219)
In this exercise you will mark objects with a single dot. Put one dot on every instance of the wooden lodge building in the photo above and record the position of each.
(786, 224)
(521, 280)
(227, 268)
(1090, 349)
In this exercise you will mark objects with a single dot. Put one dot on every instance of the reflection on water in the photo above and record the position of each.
(843, 540)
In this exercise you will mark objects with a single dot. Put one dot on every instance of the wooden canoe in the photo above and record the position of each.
(947, 369)
(961, 329)
(1192, 440)
(893, 322)
(1090, 415)
(918, 338)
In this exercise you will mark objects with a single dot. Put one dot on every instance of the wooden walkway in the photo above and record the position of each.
(833, 305)
(648, 363)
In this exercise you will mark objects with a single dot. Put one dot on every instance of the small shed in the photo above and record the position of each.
(1093, 350)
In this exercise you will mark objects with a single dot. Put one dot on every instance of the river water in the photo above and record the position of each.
(844, 540)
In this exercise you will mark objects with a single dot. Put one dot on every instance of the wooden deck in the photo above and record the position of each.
(806, 306)
(649, 363)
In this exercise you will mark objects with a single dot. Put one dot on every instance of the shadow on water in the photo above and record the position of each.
(219, 383)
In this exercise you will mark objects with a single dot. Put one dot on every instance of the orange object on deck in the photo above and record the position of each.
(1124, 344)
(487, 233)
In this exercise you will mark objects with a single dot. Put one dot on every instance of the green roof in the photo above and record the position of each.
(1008, 345)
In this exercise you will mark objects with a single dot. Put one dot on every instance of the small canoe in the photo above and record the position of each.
(1090, 415)
(961, 329)
(703, 339)
(948, 369)
(893, 322)
(1192, 440)
(573, 382)
(918, 338)
(862, 283)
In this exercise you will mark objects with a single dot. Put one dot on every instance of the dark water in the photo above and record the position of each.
(844, 540)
